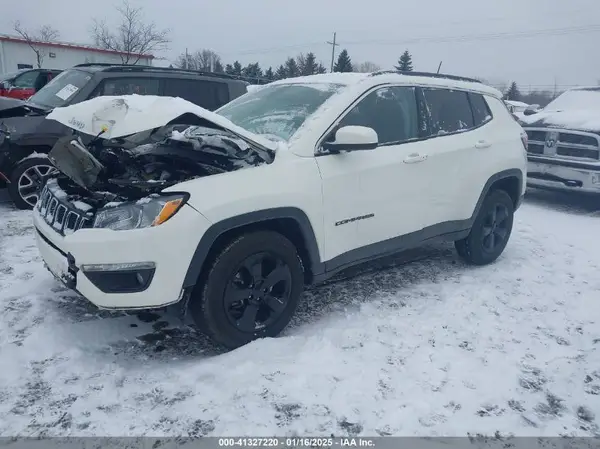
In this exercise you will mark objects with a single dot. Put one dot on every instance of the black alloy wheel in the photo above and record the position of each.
(495, 228)
(258, 293)
(490, 231)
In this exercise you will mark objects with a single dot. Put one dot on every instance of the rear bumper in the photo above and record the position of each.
(568, 177)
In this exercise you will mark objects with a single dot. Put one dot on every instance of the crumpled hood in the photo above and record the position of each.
(575, 119)
(120, 116)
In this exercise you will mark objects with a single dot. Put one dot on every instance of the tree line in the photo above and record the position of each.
(301, 65)
(540, 97)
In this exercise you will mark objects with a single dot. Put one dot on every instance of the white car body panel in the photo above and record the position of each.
(290, 181)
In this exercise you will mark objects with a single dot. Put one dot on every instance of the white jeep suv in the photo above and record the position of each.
(231, 214)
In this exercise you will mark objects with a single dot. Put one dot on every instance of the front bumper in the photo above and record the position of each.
(571, 177)
(165, 252)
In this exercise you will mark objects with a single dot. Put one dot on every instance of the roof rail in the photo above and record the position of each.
(427, 74)
(149, 68)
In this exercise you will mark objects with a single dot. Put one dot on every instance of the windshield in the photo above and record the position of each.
(278, 110)
(61, 89)
(575, 99)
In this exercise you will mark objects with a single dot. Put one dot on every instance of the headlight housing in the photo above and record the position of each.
(150, 211)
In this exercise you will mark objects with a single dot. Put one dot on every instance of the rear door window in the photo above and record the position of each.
(481, 110)
(128, 86)
(449, 111)
(210, 95)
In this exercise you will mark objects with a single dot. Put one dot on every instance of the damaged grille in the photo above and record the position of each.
(58, 212)
(564, 144)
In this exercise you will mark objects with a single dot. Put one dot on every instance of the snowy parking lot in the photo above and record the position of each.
(428, 347)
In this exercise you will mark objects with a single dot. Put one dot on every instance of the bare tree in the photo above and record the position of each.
(367, 67)
(205, 60)
(37, 39)
(133, 37)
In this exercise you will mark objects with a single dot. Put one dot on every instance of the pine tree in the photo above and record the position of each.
(252, 71)
(344, 63)
(321, 68)
(513, 92)
(307, 64)
(229, 69)
(269, 75)
(405, 62)
(281, 72)
(291, 67)
(218, 68)
(237, 68)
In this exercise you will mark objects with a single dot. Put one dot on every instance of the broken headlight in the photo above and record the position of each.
(147, 212)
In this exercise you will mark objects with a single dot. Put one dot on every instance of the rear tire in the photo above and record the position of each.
(250, 291)
(490, 231)
(27, 179)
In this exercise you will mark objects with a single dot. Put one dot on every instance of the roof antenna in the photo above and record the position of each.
(439, 67)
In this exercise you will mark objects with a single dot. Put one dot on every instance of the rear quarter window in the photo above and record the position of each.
(481, 110)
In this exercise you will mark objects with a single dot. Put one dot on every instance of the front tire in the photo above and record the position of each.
(490, 231)
(251, 290)
(27, 179)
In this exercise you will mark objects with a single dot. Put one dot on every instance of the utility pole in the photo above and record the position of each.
(333, 45)
(439, 67)
(554, 95)
(187, 61)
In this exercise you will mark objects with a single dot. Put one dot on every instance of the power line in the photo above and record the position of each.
(555, 14)
(442, 39)
(487, 36)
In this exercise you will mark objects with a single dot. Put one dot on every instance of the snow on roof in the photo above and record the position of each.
(575, 108)
(70, 45)
(585, 120)
(254, 87)
(370, 80)
(516, 103)
(333, 78)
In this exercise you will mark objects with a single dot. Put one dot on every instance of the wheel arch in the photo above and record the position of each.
(291, 222)
(511, 181)
(19, 154)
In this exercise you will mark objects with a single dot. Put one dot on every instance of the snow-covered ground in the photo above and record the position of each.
(430, 347)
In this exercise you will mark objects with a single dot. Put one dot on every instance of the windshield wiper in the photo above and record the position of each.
(43, 110)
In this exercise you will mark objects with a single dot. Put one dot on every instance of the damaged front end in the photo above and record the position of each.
(117, 184)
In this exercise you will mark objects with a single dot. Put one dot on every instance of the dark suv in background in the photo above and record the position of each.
(26, 137)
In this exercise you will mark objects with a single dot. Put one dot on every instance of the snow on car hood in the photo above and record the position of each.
(119, 116)
(583, 119)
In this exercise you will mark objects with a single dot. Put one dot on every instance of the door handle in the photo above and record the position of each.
(482, 144)
(415, 158)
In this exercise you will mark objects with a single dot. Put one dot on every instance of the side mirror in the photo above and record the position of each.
(5, 85)
(353, 138)
(529, 111)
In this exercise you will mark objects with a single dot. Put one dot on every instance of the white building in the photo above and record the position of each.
(15, 53)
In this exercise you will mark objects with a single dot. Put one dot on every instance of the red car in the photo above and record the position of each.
(22, 84)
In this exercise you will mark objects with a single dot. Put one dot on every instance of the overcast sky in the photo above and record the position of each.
(536, 42)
